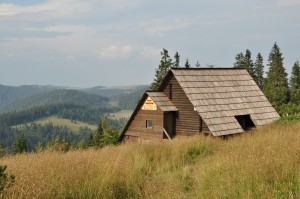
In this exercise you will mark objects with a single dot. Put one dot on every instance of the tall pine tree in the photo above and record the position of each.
(162, 70)
(177, 60)
(295, 84)
(259, 71)
(245, 61)
(276, 85)
(239, 61)
(249, 66)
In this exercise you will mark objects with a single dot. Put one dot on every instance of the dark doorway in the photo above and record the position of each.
(169, 124)
(245, 121)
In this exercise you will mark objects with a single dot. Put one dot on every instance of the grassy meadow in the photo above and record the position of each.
(74, 126)
(264, 163)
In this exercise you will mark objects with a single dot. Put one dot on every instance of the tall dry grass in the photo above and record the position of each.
(261, 164)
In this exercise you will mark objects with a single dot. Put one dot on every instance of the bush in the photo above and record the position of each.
(4, 182)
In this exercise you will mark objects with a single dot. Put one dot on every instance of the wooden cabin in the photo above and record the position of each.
(216, 101)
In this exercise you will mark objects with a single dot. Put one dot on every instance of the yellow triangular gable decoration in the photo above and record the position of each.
(149, 104)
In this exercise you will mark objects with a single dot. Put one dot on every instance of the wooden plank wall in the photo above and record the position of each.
(187, 121)
(138, 130)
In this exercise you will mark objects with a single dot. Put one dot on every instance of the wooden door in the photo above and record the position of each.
(169, 123)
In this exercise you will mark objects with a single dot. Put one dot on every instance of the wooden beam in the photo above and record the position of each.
(166, 133)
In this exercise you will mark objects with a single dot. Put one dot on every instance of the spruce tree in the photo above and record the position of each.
(259, 71)
(249, 66)
(295, 84)
(276, 85)
(187, 64)
(177, 60)
(197, 64)
(239, 61)
(162, 70)
(98, 134)
(20, 145)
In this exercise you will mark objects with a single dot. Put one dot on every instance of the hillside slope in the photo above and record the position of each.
(261, 164)
(73, 97)
(9, 94)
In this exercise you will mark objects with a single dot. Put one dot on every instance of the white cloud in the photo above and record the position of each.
(158, 26)
(116, 52)
(61, 28)
(54, 7)
(288, 2)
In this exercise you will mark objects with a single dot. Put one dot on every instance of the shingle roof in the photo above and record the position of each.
(220, 94)
(162, 101)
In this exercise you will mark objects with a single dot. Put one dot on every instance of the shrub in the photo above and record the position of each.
(4, 182)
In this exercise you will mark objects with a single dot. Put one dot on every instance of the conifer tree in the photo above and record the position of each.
(239, 61)
(162, 70)
(98, 134)
(249, 66)
(20, 145)
(187, 64)
(295, 84)
(197, 64)
(177, 60)
(259, 71)
(276, 85)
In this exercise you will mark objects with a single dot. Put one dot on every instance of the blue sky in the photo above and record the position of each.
(84, 43)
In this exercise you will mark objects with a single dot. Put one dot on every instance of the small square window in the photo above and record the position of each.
(149, 124)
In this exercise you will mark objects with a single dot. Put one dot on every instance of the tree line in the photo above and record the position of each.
(276, 86)
(283, 93)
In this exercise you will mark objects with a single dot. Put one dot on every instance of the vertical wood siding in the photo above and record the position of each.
(187, 121)
(138, 125)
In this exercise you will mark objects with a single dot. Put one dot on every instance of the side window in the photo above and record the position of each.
(149, 124)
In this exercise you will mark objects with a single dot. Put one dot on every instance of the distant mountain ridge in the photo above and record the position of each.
(15, 98)
(73, 97)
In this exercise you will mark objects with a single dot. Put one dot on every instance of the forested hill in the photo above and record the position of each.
(73, 97)
(12, 93)
(115, 91)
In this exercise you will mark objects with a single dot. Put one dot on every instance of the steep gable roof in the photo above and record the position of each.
(159, 98)
(162, 101)
(220, 94)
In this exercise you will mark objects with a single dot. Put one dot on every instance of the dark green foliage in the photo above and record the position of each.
(12, 93)
(198, 65)
(90, 142)
(2, 149)
(239, 61)
(187, 64)
(72, 97)
(259, 71)
(99, 133)
(295, 84)
(162, 70)
(245, 61)
(4, 181)
(289, 112)
(105, 134)
(20, 145)
(177, 60)
(249, 63)
(276, 84)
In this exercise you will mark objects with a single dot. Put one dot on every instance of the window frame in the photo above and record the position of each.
(149, 124)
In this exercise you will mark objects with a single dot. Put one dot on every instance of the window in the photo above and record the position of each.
(149, 124)
(245, 121)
